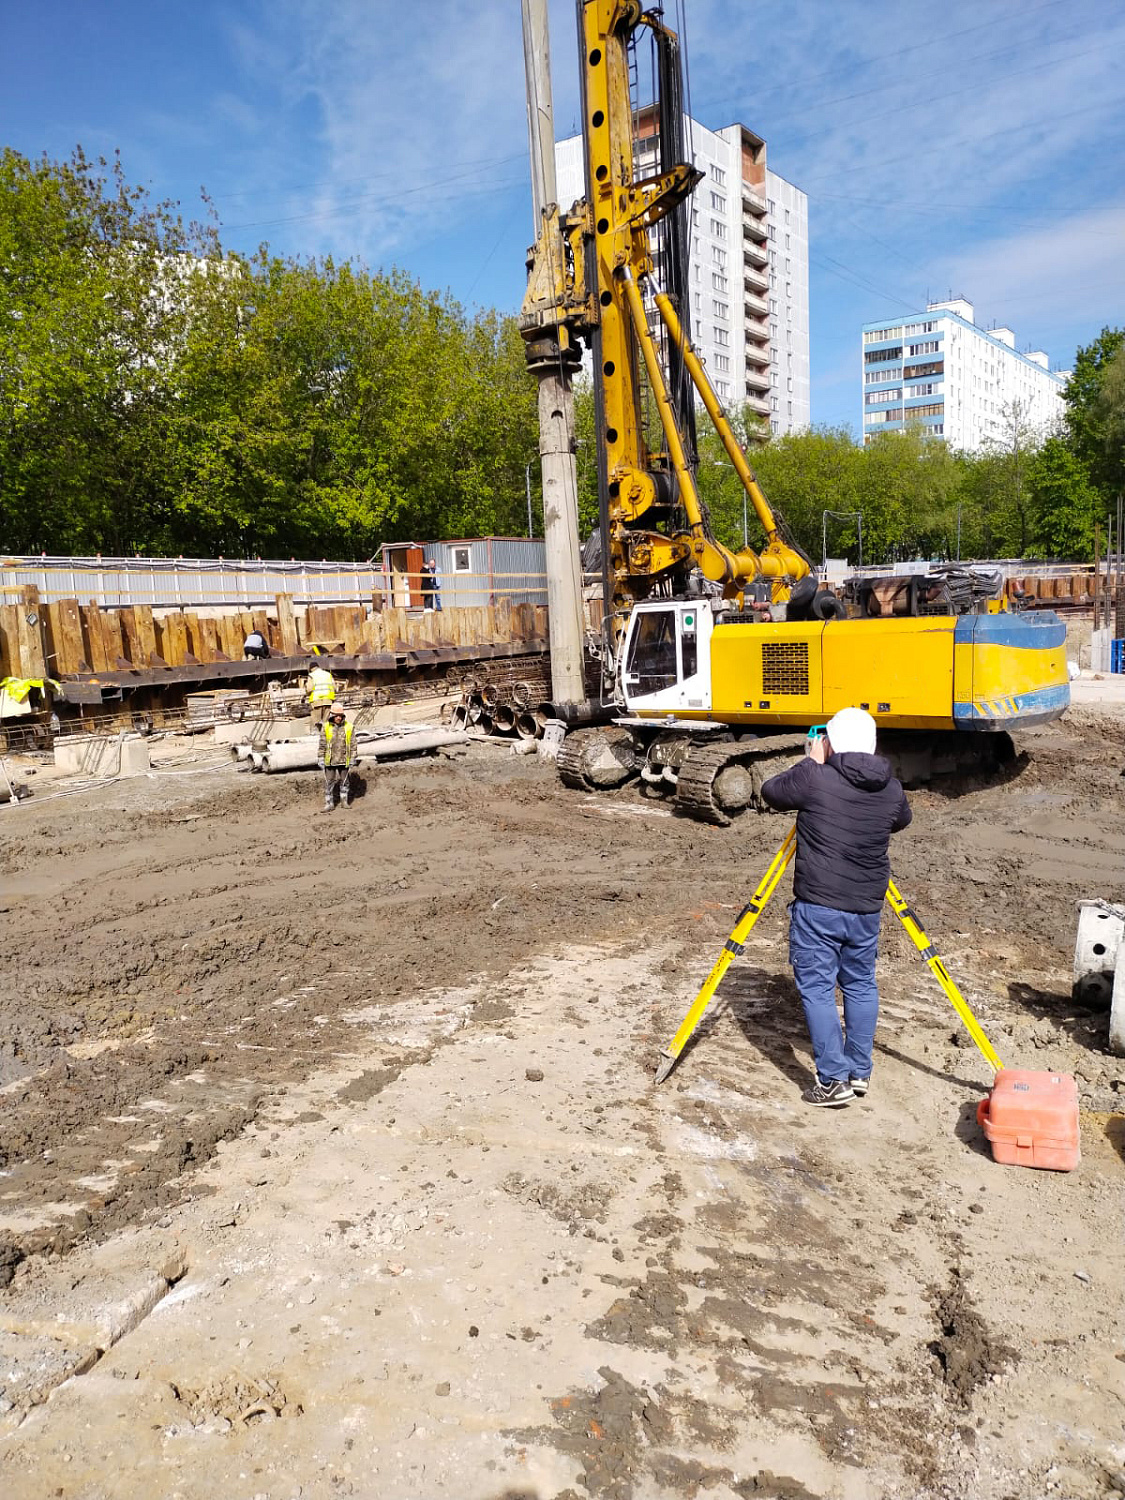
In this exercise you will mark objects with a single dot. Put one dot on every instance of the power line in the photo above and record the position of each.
(1010, 16)
(968, 141)
(377, 199)
(969, 88)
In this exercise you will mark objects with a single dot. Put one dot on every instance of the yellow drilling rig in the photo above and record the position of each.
(713, 657)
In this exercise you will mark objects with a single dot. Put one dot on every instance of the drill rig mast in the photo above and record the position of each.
(655, 530)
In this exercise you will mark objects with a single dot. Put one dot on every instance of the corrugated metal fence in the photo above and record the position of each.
(496, 570)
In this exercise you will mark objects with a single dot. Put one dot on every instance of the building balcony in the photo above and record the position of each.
(756, 380)
(753, 201)
(758, 404)
(754, 254)
(757, 355)
(755, 281)
(756, 306)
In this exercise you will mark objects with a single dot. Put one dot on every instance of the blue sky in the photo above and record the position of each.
(973, 147)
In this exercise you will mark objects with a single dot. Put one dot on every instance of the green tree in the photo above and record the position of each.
(1064, 504)
(94, 292)
(1095, 409)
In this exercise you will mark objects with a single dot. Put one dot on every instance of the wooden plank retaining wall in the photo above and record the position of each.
(69, 639)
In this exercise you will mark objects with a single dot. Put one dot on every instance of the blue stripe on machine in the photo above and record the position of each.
(1034, 632)
(1044, 700)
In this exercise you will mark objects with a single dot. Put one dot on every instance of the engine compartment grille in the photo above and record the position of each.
(785, 668)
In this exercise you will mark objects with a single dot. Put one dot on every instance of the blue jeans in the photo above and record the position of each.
(827, 947)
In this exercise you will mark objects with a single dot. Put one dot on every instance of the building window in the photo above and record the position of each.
(874, 398)
(462, 562)
(722, 362)
(787, 216)
(718, 203)
(773, 232)
(718, 175)
(773, 304)
(775, 405)
(881, 356)
(912, 329)
(720, 309)
(722, 337)
(933, 409)
(719, 257)
(788, 245)
(878, 335)
(928, 389)
(718, 229)
(771, 205)
(718, 282)
(723, 388)
(930, 346)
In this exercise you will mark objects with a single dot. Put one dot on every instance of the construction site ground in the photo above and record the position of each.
(332, 1162)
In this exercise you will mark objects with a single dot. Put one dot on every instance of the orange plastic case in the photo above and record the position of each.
(1031, 1119)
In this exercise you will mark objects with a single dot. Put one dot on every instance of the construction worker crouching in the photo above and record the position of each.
(321, 688)
(848, 804)
(335, 756)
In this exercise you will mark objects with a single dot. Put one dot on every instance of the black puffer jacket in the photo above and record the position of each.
(847, 810)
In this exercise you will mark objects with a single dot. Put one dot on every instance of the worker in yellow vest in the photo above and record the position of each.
(321, 688)
(335, 756)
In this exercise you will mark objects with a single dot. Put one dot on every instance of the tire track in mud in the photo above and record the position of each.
(441, 873)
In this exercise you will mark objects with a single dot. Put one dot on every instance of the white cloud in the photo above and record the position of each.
(1049, 278)
(412, 114)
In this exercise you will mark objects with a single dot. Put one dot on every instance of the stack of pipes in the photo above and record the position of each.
(301, 755)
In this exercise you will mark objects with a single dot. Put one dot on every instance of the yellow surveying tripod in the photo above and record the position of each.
(750, 913)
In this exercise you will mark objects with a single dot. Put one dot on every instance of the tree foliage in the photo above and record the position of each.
(159, 395)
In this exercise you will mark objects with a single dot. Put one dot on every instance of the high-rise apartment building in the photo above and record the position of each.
(963, 383)
(748, 268)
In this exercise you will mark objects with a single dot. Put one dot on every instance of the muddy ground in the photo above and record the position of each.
(332, 1162)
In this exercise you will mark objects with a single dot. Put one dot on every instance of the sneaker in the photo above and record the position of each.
(859, 1086)
(829, 1094)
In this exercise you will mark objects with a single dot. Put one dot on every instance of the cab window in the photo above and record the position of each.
(652, 654)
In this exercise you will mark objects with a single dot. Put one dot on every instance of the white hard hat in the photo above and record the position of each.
(851, 730)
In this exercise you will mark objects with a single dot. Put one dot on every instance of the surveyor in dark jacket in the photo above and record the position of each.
(848, 804)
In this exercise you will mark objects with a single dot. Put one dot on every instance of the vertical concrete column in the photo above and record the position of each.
(556, 400)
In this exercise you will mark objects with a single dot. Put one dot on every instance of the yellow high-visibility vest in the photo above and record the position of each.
(322, 686)
(328, 728)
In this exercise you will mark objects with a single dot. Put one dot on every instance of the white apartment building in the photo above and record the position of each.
(963, 383)
(748, 268)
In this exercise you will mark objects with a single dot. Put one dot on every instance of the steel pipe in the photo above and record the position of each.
(503, 717)
(526, 726)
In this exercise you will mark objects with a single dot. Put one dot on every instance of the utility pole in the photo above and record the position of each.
(556, 400)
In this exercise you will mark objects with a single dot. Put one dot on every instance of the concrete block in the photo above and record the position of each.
(32, 1366)
(259, 731)
(102, 755)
